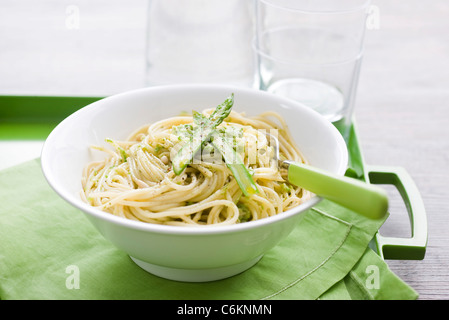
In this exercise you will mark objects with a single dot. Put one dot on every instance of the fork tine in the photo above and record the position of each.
(274, 142)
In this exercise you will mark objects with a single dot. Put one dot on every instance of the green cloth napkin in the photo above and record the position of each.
(49, 250)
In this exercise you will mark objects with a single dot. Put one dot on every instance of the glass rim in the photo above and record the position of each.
(350, 9)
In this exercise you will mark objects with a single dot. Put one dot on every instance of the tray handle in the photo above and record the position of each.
(413, 248)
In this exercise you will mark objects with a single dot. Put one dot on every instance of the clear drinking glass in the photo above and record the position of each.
(200, 41)
(311, 51)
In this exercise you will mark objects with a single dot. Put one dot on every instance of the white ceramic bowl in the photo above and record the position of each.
(184, 253)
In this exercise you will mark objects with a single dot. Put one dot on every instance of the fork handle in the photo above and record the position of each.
(363, 198)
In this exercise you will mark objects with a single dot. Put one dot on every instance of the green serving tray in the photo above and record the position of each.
(34, 117)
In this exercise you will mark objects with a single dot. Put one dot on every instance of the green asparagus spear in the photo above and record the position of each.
(235, 164)
(201, 134)
(232, 159)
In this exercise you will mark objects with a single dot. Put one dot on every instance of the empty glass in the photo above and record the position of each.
(311, 51)
(193, 41)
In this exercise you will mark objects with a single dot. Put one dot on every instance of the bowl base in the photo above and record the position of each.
(196, 275)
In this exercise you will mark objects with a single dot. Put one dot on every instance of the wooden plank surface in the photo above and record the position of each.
(403, 119)
(402, 105)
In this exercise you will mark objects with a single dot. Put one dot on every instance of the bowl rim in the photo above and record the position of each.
(187, 230)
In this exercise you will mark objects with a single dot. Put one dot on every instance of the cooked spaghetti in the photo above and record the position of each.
(137, 181)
